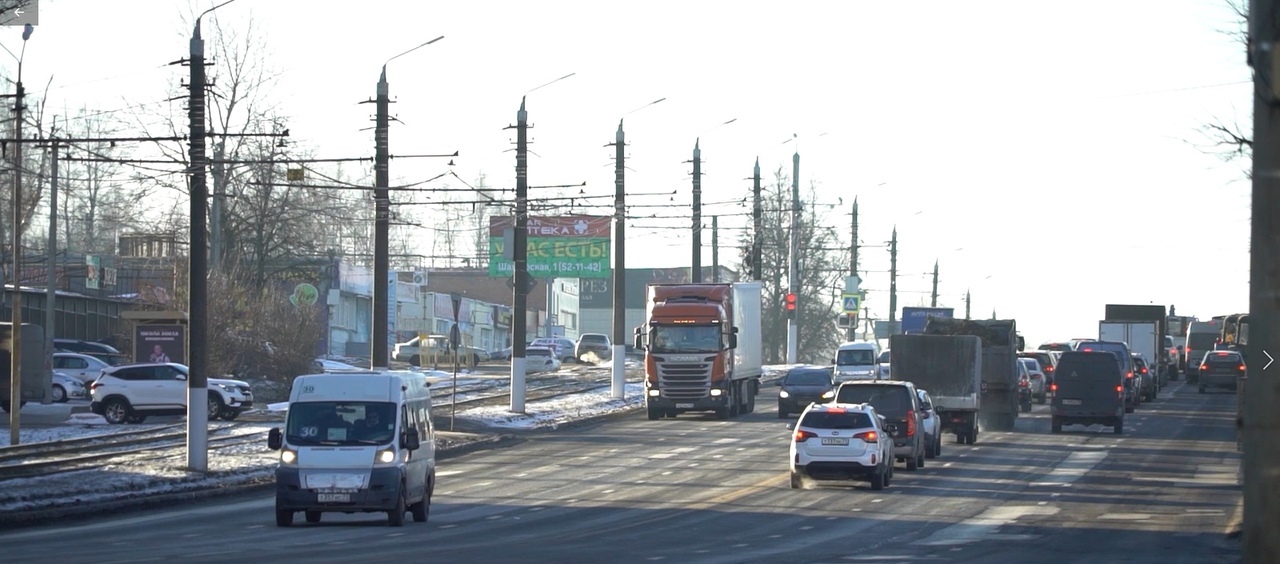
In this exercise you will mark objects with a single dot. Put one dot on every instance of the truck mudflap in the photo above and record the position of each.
(962, 423)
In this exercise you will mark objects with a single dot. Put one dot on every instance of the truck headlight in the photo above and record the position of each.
(716, 393)
(654, 393)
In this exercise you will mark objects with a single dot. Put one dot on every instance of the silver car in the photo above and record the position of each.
(67, 387)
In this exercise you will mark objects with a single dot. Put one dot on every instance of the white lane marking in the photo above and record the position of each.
(1076, 465)
(984, 526)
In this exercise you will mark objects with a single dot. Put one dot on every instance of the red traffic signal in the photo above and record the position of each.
(791, 302)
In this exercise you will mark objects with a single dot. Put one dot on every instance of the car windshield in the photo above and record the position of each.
(884, 358)
(685, 338)
(889, 400)
(340, 423)
(856, 357)
(809, 378)
(836, 420)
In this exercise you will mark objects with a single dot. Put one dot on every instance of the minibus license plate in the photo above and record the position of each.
(1070, 402)
(684, 405)
(333, 498)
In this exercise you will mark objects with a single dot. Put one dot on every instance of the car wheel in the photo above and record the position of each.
(937, 447)
(229, 414)
(284, 517)
(782, 413)
(1055, 426)
(475, 360)
(215, 406)
(59, 394)
(1202, 388)
(878, 480)
(1118, 428)
(395, 517)
(929, 451)
(654, 414)
(913, 464)
(796, 481)
(422, 509)
(415, 360)
(116, 411)
(313, 516)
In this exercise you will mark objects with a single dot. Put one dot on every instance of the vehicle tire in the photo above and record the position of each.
(1055, 426)
(1043, 399)
(878, 480)
(395, 517)
(920, 460)
(1129, 408)
(751, 397)
(284, 517)
(475, 360)
(796, 481)
(59, 394)
(913, 464)
(215, 406)
(654, 414)
(782, 413)
(313, 516)
(116, 411)
(1026, 406)
(1118, 428)
(229, 414)
(937, 446)
(1202, 388)
(961, 437)
(415, 360)
(422, 509)
(135, 418)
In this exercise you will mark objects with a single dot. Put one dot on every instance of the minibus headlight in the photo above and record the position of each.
(288, 456)
(386, 456)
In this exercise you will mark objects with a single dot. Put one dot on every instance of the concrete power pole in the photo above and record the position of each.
(757, 229)
(934, 299)
(378, 344)
(715, 249)
(793, 323)
(51, 285)
(966, 304)
(15, 304)
(520, 260)
(197, 302)
(893, 280)
(619, 380)
(1261, 421)
(696, 272)
(853, 261)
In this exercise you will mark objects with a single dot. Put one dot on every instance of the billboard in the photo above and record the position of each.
(914, 318)
(160, 343)
(570, 246)
(598, 293)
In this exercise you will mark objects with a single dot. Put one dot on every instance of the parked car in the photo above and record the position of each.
(540, 359)
(67, 387)
(841, 442)
(325, 365)
(596, 344)
(83, 367)
(130, 393)
(563, 347)
(436, 351)
(1220, 369)
(898, 403)
(802, 386)
(504, 354)
(932, 426)
(1037, 379)
(102, 351)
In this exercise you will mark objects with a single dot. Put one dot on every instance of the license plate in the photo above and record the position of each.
(1070, 402)
(684, 405)
(835, 441)
(333, 498)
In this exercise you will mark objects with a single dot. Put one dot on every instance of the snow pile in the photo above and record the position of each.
(553, 412)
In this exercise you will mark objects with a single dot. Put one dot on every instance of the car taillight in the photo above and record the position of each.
(1204, 367)
(1053, 387)
(911, 423)
(802, 436)
(1120, 389)
(1240, 368)
(1144, 370)
(1023, 383)
(1048, 369)
(869, 436)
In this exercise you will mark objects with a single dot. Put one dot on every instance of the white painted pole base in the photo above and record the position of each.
(517, 385)
(619, 388)
(793, 338)
(198, 429)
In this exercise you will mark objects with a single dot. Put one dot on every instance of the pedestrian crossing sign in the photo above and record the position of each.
(852, 302)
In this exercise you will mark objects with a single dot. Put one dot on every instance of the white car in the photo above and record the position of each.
(1038, 381)
(882, 365)
(835, 441)
(79, 366)
(540, 359)
(564, 347)
(131, 392)
(932, 425)
(66, 387)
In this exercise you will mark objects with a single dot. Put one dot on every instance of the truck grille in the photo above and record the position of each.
(684, 377)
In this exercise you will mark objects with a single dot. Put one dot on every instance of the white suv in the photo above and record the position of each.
(131, 392)
(841, 442)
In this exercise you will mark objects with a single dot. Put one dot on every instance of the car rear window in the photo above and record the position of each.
(537, 352)
(809, 378)
(1092, 364)
(595, 339)
(1219, 358)
(889, 400)
(836, 420)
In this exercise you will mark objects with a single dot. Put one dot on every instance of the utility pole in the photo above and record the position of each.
(757, 237)
(520, 260)
(618, 382)
(1261, 422)
(715, 249)
(966, 304)
(378, 343)
(216, 208)
(696, 273)
(50, 290)
(853, 261)
(866, 323)
(198, 289)
(934, 300)
(15, 304)
(793, 324)
(893, 279)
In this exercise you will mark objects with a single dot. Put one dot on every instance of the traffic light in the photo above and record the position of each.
(791, 305)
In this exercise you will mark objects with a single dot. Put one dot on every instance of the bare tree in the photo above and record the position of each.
(1228, 139)
(261, 332)
(820, 269)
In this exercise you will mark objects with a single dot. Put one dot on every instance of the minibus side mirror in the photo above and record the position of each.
(410, 440)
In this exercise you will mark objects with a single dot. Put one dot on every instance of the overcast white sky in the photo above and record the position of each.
(1044, 155)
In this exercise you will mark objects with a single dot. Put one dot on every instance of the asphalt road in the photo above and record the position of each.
(695, 489)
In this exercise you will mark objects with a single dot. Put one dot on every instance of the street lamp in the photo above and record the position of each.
(380, 344)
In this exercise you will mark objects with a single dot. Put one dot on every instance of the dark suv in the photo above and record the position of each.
(1089, 390)
(1124, 359)
(899, 404)
(802, 386)
(593, 344)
